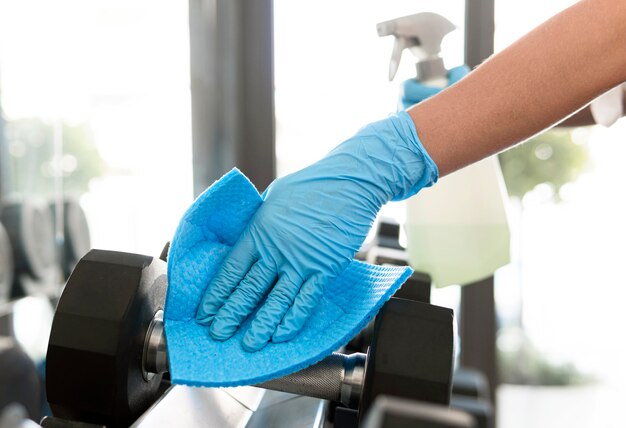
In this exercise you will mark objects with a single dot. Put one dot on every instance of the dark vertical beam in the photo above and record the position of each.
(4, 156)
(478, 330)
(257, 148)
(479, 30)
(232, 89)
(478, 312)
(204, 93)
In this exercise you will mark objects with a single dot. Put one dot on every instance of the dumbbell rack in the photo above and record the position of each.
(104, 366)
(233, 407)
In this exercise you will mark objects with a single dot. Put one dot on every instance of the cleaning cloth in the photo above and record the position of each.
(203, 239)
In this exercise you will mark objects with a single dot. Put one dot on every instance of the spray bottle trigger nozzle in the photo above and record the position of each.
(421, 32)
(396, 55)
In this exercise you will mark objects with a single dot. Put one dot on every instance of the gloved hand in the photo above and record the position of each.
(308, 229)
(414, 92)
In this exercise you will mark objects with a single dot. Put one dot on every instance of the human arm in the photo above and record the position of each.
(308, 229)
(551, 72)
(582, 117)
(312, 222)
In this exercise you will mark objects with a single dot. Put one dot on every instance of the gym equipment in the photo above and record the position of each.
(107, 356)
(19, 379)
(30, 228)
(385, 249)
(94, 360)
(392, 412)
(6, 266)
(15, 416)
(76, 237)
(470, 387)
(470, 383)
(471, 394)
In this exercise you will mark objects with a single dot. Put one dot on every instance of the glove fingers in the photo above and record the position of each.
(271, 313)
(230, 274)
(243, 301)
(303, 306)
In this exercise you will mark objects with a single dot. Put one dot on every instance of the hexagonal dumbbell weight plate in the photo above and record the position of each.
(94, 361)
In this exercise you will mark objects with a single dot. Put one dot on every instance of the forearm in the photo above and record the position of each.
(582, 117)
(553, 71)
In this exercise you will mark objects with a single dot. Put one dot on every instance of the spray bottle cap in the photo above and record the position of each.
(422, 33)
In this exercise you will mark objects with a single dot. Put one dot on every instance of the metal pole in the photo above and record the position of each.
(4, 156)
(478, 312)
(478, 331)
(232, 89)
(479, 31)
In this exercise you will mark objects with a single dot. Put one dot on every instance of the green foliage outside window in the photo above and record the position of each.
(33, 167)
(552, 158)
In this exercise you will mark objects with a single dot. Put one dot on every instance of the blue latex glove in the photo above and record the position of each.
(308, 229)
(414, 92)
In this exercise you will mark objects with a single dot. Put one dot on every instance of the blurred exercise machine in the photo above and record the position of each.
(32, 263)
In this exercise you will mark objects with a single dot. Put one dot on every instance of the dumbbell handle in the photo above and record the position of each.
(338, 377)
(155, 348)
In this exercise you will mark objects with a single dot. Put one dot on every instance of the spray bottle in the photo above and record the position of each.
(422, 34)
(457, 230)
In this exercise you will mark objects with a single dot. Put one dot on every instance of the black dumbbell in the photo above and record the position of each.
(385, 249)
(107, 356)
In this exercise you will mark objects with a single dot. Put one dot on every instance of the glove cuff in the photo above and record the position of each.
(385, 159)
(397, 163)
(417, 172)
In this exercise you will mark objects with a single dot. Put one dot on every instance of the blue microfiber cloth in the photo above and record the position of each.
(203, 239)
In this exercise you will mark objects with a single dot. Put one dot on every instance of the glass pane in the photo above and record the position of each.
(332, 70)
(568, 221)
(108, 83)
(96, 137)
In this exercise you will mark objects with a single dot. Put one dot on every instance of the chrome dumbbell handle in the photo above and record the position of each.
(155, 348)
(338, 377)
